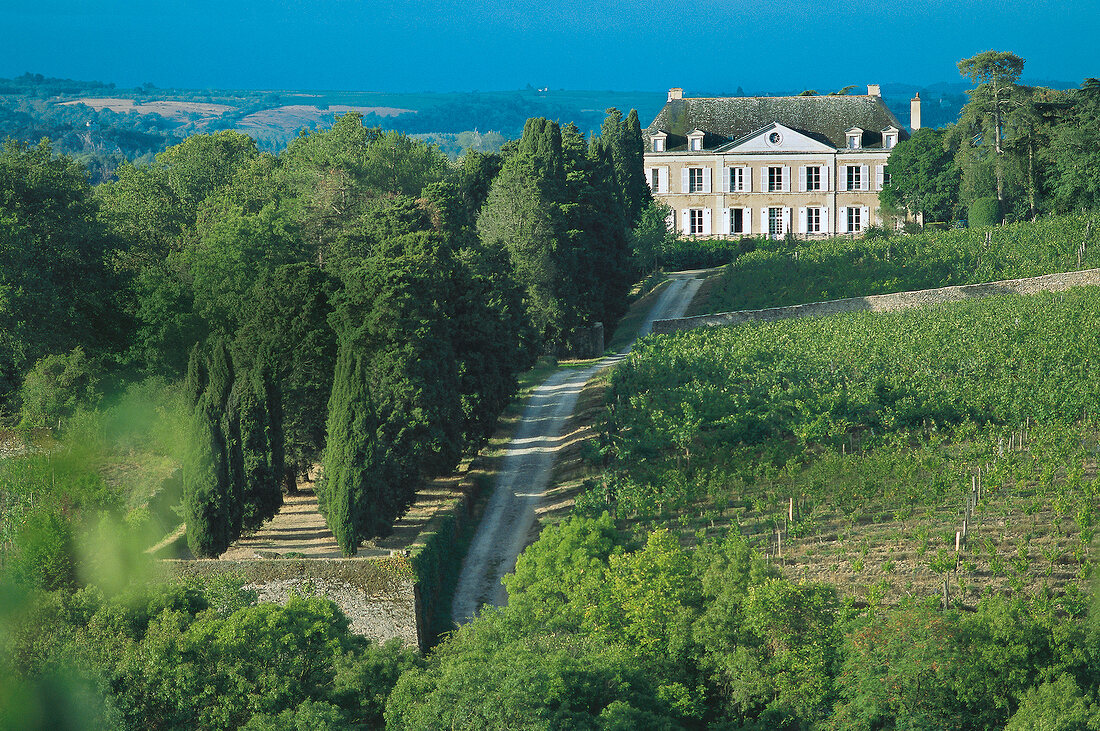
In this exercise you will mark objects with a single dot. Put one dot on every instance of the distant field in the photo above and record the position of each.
(296, 116)
(179, 110)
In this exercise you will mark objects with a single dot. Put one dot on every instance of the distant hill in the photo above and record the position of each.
(103, 125)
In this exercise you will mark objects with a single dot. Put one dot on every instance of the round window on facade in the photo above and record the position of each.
(775, 138)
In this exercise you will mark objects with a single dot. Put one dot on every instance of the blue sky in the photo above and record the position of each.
(445, 45)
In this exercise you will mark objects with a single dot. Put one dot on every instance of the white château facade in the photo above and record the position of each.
(811, 166)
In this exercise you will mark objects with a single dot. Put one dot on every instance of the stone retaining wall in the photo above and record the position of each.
(888, 302)
(378, 595)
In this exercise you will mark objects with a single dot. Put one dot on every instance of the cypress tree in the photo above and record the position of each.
(631, 166)
(260, 492)
(220, 379)
(349, 493)
(206, 507)
(524, 216)
(225, 414)
(271, 389)
(195, 382)
(234, 443)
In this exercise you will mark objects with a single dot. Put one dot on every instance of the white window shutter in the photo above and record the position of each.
(662, 180)
(763, 179)
(685, 221)
(706, 179)
(725, 180)
(864, 177)
(684, 180)
(801, 178)
(879, 176)
(670, 222)
(826, 178)
(786, 178)
(802, 220)
(786, 219)
(842, 219)
(864, 220)
(746, 221)
(725, 221)
(706, 222)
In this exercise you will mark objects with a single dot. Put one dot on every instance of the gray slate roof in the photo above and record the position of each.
(824, 118)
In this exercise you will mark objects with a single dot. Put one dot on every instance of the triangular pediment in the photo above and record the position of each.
(776, 137)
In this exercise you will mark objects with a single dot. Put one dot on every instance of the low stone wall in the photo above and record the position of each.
(888, 302)
(378, 595)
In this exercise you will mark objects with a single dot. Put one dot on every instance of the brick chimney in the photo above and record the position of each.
(675, 93)
(914, 112)
(874, 90)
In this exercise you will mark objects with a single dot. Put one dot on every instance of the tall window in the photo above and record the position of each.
(813, 178)
(737, 221)
(775, 222)
(852, 177)
(775, 179)
(658, 145)
(885, 178)
(695, 180)
(655, 180)
(695, 221)
(853, 219)
(853, 142)
(813, 220)
(737, 180)
(696, 143)
(891, 140)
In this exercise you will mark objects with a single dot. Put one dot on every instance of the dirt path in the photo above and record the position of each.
(527, 464)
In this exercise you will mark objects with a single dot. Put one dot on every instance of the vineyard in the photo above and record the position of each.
(779, 273)
(861, 449)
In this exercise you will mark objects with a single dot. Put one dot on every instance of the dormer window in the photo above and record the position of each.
(696, 143)
(695, 140)
(659, 141)
(853, 141)
(889, 138)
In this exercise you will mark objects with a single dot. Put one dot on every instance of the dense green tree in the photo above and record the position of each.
(56, 386)
(1056, 705)
(203, 164)
(261, 667)
(475, 179)
(288, 320)
(352, 491)
(399, 165)
(923, 176)
(206, 495)
(55, 289)
(650, 238)
(622, 138)
(523, 215)
(196, 378)
(900, 668)
(261, 494)
(1074, 153)
(487, 676)
(983, 118)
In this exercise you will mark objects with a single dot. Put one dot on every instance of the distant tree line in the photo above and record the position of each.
(1016, 151)
(356, 300)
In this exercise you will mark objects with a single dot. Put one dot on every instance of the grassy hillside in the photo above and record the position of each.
(788, 273)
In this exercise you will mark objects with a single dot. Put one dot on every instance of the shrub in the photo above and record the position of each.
(984, 212)
(55, 386)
